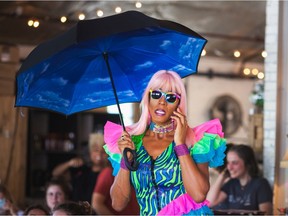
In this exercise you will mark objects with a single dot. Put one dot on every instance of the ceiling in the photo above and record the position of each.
(228, 25)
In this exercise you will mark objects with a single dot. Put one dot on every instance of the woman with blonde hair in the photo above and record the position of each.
(172, 177)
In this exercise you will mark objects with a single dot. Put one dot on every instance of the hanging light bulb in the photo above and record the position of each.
(203, 52)
(36, 24)
(237, 53)
(255, 71)
(246, 71)
(63, 19)
(260, 75)
(81, 16)
(100, 13)
(118, 9)
(138, 4)
(30, 22)
(264, 54)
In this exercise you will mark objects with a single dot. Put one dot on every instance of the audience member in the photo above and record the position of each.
(73, 208)
(101, 199)
(57, 192)
(7, 207)
(83, 176)
(36, 210)
(244, 188)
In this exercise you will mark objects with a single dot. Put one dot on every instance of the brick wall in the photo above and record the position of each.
(270, 94)
(276, 105)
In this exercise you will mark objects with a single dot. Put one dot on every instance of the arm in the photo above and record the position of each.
(63, 167)
(215, 195)
(121, 189)
(101, 194)
(195, 178)
(10, 207)
(265, 197)
(98, 203)
(266, 207)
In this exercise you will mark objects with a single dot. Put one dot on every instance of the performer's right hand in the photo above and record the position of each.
(125, 141)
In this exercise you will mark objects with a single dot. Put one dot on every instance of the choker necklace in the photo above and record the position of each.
(161, 129)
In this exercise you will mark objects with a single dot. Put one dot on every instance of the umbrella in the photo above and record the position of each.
(105, 61)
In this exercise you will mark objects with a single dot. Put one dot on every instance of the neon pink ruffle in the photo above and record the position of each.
(213, 126)
(112, 132)
(182, 205)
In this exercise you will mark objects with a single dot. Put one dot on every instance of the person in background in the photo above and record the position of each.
(57, 191)
(81, 176)
(172, 177)
(240, 186)
(36, 210)
(72, 208)
(101, 199)
(7, 207)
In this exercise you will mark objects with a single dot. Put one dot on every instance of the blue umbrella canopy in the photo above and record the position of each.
(105, 61)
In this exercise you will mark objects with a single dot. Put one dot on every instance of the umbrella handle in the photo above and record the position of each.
(132, 166)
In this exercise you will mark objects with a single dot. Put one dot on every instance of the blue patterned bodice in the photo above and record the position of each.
(157, 182)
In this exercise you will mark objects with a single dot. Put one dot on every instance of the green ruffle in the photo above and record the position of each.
(209, 149)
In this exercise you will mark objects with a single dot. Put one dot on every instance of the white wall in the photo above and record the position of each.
(202, 92)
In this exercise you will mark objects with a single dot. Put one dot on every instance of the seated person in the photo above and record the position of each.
(36, 210)
(73, 208)
(79, 173)
(57, 192)
(239, 187)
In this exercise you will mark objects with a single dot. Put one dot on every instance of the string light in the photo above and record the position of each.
(138, 4)
(237, 53)
(36, 24)
(255, 71)
(264, 54)
(81, 16)
(100, 13)
(118, 9)
(260, 75)
(246, 71)
(33, 23)
(203, 52)
(63, 19)
(30, 22)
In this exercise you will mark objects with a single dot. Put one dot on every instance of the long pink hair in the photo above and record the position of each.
(167, 81)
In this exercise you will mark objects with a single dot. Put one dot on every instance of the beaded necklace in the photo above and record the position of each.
(161, 129)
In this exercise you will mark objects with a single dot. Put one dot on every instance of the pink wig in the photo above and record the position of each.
(167, 81)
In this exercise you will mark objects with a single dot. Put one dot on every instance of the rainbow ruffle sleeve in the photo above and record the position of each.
(210, 143)
(209, 147)
(112, 132)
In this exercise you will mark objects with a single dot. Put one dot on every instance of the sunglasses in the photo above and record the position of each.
(170, 97)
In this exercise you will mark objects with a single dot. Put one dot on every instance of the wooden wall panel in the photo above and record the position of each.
(9, 65)
(13, 147)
